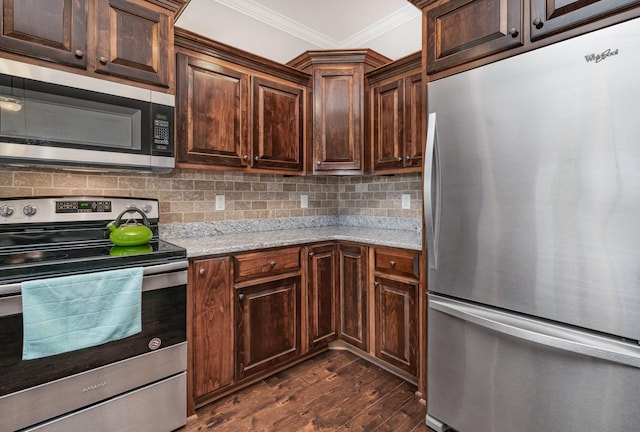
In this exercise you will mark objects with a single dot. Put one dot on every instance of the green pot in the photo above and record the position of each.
(130, 233)
(130, 250)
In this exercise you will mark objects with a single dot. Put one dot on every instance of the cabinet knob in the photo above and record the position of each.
(399, 159)
(376, 284)
(392, 263)
(240, 297)
(103, 60)
(514, 32)
(537, 23)
(202, 272)
(311, 254)
(256, 158)
(408, 158)
(79, 54)
(272, 264)
(318, 163)
(245, 157)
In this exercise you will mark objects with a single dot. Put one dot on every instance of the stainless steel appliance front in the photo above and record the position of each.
(534, 202)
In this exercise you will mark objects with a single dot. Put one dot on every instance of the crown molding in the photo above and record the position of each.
(268, 16)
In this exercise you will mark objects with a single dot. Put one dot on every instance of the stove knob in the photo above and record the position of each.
(6, 211)
(29, 210)
(146, 208)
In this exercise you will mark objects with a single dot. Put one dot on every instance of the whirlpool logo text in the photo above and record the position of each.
(597, 58)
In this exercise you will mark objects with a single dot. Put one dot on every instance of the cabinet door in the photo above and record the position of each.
(459, 31)
(212, 107)
(322, 294)
(396, 323)
(278, 134)
(388, 125)
(133, 41)
(53, 30)
(353, 295)
(552, 16)
(414, 118)
(267, 325)
(212, 344)
(337, 119)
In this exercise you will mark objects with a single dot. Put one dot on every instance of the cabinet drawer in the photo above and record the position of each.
(262, 264)
(397, 262)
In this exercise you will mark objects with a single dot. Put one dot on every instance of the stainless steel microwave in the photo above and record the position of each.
(56, 118)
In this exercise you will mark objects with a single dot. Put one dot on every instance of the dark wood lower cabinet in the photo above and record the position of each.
(212, 339)
(396, 336)
(267, 325)
(353, 295)
(322, 294)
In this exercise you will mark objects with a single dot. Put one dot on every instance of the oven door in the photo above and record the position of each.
(32, 391)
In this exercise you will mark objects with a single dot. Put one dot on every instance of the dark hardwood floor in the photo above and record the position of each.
(334, 391)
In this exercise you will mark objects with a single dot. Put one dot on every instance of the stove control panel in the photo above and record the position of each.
(83, 206)
(72, 209)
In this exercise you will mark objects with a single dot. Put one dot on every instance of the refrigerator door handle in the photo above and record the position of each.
(429, 200)
(540, 333)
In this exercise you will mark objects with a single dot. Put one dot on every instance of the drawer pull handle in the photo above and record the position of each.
(393, 263)
(272, 264)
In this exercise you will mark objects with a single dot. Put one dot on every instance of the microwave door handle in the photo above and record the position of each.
(430, 180)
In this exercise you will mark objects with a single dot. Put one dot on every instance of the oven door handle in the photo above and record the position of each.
(154, 278)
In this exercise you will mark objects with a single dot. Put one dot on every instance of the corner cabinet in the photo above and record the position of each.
(338, 107)
(322, 294)
(353, 310)
(397, 119)
(236, 110)
(128, 39)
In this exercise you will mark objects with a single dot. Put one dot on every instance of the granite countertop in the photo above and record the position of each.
(214, 239)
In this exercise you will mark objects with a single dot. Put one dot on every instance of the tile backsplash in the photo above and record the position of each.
(188, 195)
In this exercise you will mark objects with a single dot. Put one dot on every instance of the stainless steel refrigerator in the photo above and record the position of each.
(532, 210)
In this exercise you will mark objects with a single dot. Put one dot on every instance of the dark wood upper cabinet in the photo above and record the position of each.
(459, 31)
(552, 16)
(396, 116)
(48, 30)
(212, 111)
(133, 41)
(338, 107)
(278, 130)
(238, 111)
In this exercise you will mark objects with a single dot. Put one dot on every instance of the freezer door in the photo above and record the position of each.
(539, 182)
(495, 372)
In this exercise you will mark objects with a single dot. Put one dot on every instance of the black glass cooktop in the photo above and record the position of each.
(63, 259)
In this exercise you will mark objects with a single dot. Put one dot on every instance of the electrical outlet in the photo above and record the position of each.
(406, 201)
(304, 201)
(219, 202)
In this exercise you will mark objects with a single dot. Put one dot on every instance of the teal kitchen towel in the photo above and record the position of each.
(72, 312)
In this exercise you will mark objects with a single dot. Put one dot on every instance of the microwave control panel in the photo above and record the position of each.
(162, 130)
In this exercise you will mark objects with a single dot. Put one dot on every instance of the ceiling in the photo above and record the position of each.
(280, 30)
